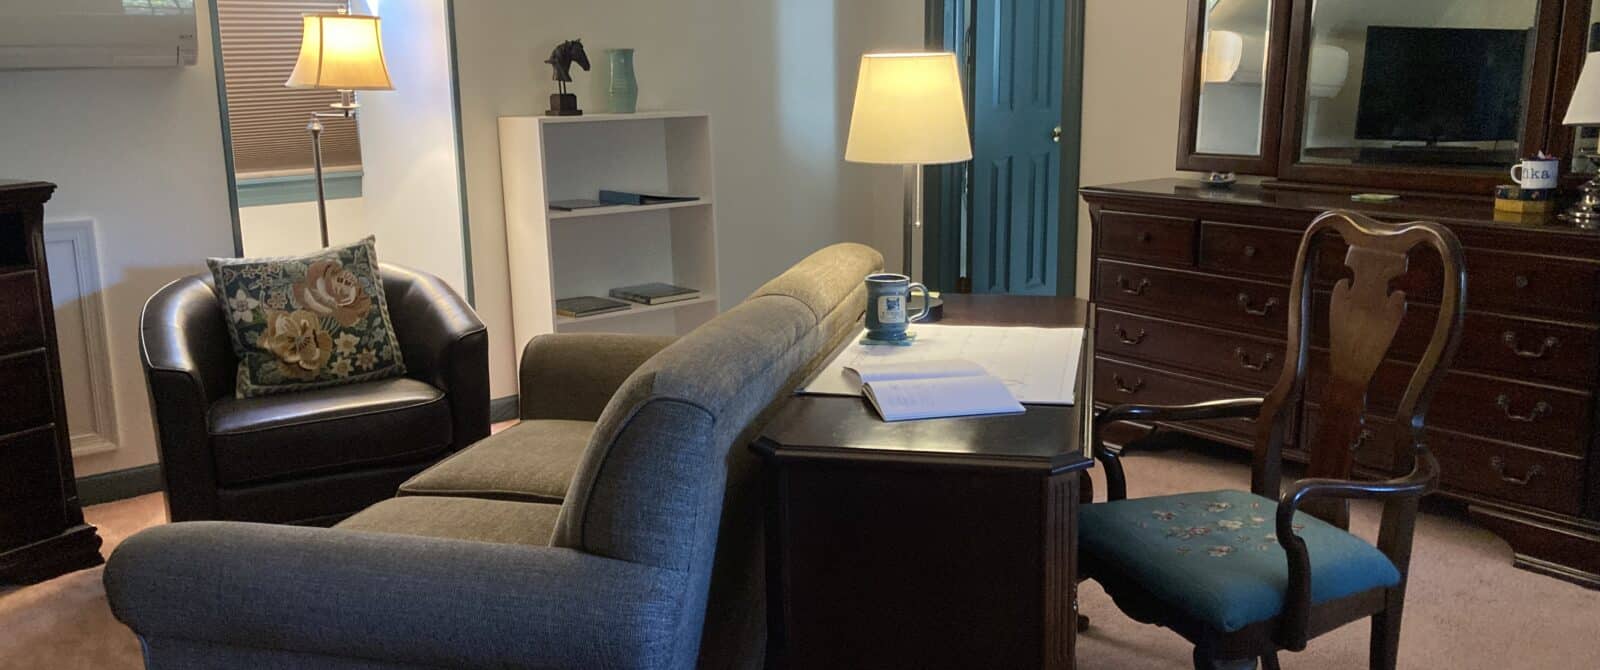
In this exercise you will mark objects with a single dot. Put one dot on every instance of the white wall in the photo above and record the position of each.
(1132, 66)
(290, 229)
(776, 76)
(410, 180)
(140, 152)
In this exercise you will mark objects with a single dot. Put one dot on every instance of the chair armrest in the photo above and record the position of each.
(187, 355)
(573, 376)
(1422, 480)
(393, 598)
(444, 344)
(1116, 481)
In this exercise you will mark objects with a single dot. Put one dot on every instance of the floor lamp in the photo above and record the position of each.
(909, 111)
(342, 52)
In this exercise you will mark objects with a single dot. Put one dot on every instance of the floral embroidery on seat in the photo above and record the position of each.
(1218, 521)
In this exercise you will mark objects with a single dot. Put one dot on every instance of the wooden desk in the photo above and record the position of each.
(946, 543)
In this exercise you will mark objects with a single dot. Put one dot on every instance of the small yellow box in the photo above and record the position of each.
(1524, 206)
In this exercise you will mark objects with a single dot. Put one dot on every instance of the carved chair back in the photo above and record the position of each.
(1363, 317)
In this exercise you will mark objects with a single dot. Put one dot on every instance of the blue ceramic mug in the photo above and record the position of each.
(887, 296)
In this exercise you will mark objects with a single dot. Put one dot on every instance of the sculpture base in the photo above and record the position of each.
(563, 104)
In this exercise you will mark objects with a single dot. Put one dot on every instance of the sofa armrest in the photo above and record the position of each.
(573, 376)
(394, 598)
(445, 344)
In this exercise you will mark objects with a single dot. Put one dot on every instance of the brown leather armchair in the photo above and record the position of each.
(318, 456)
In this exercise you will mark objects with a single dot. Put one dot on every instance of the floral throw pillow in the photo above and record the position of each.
(308, 322)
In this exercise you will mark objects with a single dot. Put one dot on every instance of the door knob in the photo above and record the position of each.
(1055, 135)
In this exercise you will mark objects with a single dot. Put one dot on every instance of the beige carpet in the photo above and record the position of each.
(1468, 608)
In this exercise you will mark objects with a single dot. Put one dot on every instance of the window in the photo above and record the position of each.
(260, 40)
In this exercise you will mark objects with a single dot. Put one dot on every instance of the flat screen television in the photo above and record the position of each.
(1442, 84)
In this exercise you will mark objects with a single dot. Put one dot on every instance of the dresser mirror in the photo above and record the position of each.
(1234, 98)
(1392, 95)
(1426, 82)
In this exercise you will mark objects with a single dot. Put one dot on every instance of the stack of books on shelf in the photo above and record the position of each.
(655, 293)
(623, 298)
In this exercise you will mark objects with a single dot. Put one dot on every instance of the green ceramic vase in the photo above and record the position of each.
(622, 96)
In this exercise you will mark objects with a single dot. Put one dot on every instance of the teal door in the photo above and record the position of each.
(1017, 236)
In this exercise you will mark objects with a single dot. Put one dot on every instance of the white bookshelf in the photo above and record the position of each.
(555, 254)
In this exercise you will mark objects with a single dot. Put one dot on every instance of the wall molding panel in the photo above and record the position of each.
(81, 331)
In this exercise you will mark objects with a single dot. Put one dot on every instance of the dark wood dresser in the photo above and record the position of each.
(42, 533)
(1193, 285)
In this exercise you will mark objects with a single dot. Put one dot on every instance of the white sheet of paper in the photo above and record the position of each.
(1038, 365)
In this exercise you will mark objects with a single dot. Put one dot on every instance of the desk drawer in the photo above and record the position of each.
(1147, 237)
(1194, 296)
(21, 323)
(1119, 382)
(1254, 362)
(1492, 407)
(1263, 252)
(25, 392)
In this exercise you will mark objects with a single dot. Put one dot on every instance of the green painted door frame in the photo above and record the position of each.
(948, 202)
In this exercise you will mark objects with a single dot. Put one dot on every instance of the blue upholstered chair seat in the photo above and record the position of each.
(1216, 554)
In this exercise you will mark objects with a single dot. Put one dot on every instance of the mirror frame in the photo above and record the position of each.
(1536, 129)
(1272, 88)
(1561, 36)
(1569, 63)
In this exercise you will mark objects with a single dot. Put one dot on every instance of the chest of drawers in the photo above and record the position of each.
(1193, 287)
(42, 533)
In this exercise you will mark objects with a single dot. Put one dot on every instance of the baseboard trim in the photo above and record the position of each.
(503, 409)
(119, 484)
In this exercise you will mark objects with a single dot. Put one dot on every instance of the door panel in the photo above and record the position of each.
(1016, 159)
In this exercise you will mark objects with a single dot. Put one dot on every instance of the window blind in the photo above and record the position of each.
(260, 41)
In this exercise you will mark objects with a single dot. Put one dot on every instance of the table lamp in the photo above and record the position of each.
(1584, 110)
(909, 111)
(343, 52)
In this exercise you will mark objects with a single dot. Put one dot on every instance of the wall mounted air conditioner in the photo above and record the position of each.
(47, 34)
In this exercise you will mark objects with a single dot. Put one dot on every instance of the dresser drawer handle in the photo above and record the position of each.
(1264, 310)
(1123, 385)
(1132, 289)
(1540, 409)
(1249, 251)
(1499, 465)
(1144, 236)
(1122, 334)
(1244, 360)
(1521, 281)
(1361, 440)
(1511, 340)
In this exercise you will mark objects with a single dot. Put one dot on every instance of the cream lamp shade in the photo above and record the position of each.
(1584, 110)
(908, 111)
(341, 51)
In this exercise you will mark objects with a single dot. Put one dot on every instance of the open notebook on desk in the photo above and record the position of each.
(1036, 365)
(933, 390)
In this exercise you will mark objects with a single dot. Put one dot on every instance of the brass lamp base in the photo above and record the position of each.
(1585, 213)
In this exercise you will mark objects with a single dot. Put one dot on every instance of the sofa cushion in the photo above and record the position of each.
(532, 461)
(306, 322)
(327, 430)
(498, 521)
(1215, 555)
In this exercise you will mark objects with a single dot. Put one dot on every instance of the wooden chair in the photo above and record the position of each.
(1243, 575)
